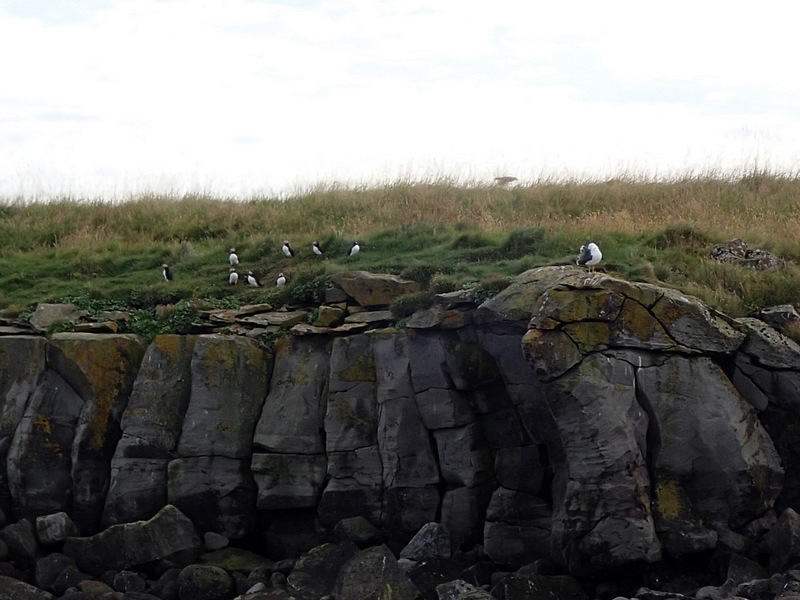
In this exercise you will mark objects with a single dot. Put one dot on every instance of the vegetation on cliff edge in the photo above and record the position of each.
(103, 255)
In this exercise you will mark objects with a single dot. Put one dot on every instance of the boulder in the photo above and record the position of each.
(562, 587)
(204, 582)
(374, 573)
(55, 528)
(430, 542)
(783, 541)
(316, 572)
(371, 289)
(20, 538)
(459, 589)
(357, 530)
(14, 589)
(329, 316)
(49, 569)
(168, 535)
(47, 315)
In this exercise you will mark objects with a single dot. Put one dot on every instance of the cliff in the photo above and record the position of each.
(578, 417)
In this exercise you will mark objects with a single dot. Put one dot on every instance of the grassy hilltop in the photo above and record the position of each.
(103, 255)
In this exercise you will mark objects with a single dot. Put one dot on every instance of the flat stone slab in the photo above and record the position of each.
(14, 330)
(223, 315)
(104, 327)
(253, 309)
(370, 317)
(285, 320)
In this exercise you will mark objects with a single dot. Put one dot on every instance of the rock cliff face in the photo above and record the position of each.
(575, 416)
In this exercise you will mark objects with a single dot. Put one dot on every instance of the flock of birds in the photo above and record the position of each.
(588, 256)
(251, 279)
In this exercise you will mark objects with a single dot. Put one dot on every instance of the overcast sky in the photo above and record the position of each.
(112, 98)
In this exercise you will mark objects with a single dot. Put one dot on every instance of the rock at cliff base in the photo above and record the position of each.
(374, 573)
(169, 534)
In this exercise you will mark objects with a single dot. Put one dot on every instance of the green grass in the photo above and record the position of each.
(442, 235)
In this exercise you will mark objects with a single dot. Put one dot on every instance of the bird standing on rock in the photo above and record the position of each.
(589, 256)
(166, 272)
(286, 249)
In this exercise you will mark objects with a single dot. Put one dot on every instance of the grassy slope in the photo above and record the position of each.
(105, 254)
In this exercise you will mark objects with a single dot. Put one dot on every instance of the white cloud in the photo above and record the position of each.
(260, 95)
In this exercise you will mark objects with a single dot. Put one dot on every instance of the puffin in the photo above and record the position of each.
(166, 272)
(316, 249)
(589, 256)
(233, 278)
(354, 249)
(286, 249)
(281, 280)
(251, 279)
(233, 258)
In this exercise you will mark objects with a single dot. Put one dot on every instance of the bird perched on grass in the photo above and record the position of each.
(233, 278)
(286, 249)
(166, 272)
(251, 279)
(589, 256)
(354, 249)
(504, 181)
(281, 280)
(316, 249)
(233, 258)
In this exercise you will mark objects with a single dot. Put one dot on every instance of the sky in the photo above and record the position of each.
(111, 99)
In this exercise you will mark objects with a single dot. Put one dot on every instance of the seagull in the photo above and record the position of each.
(234, 260)
(251, 279)
(589, 255)
(316, 249)
(354, 249)
(233, 278)
(287, 251)
(281, 280)
(166, 272)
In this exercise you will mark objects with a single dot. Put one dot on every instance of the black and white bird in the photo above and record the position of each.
(166, 272)
(315, 248)
(281, 280)
(233, 278)
(354, 249)
(233, 258)
(589, 256)
(251, 280)
(286, 249)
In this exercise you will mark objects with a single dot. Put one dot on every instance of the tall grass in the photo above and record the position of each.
(652, 231)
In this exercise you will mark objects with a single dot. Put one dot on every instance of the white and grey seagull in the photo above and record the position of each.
(589, 256)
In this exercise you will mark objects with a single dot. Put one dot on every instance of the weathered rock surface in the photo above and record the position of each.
(578, 419)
